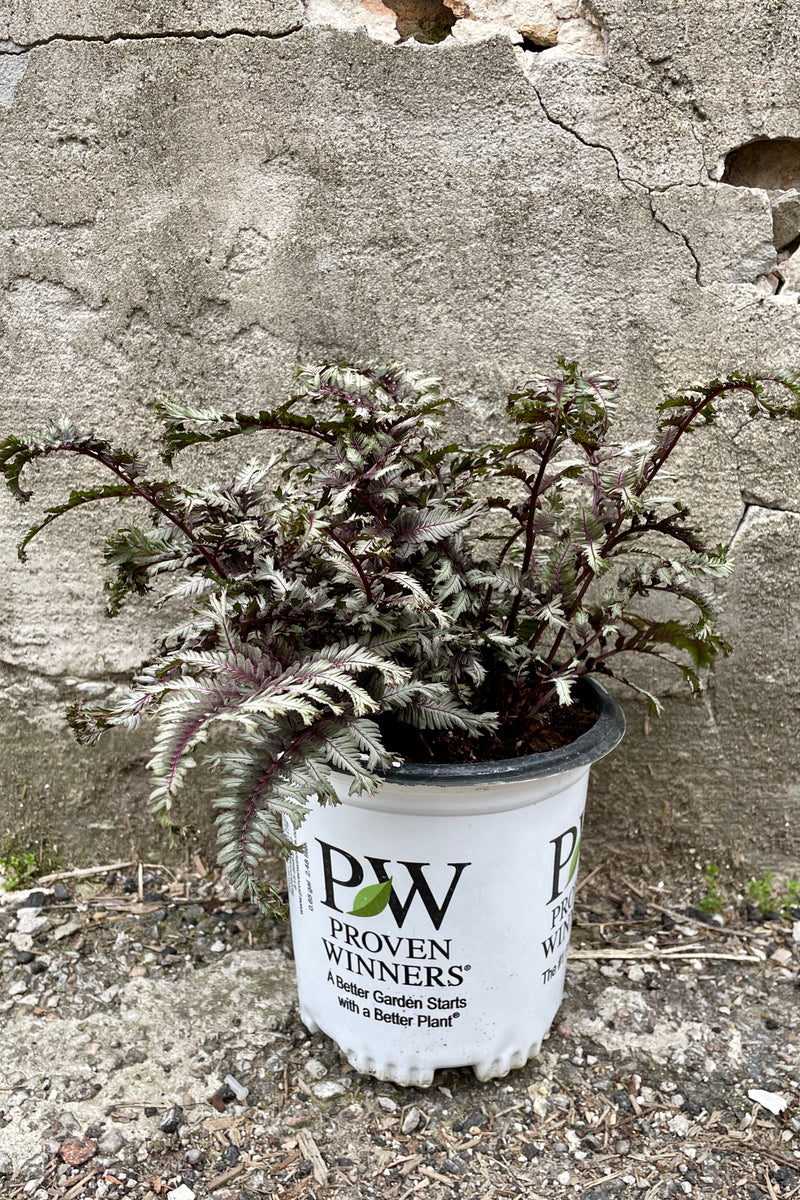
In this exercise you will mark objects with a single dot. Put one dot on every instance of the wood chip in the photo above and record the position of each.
(431, 1174)
(411, 1163)
(309, 1149)
(286, 1162)
(199, 866)
(223, 1123)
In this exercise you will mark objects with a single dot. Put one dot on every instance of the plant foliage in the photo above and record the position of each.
(389, 576)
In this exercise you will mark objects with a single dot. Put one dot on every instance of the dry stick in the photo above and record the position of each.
(511, 1108)
(590, 1183)
(768, 1153)
(590, 876)
(225, 1177)
(770, 1188)
(431, 1174)
(77, 1187)
(679, 916)
(85, 872)
(665, 953)
(635, 890)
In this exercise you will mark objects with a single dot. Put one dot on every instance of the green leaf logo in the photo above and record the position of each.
(573, 866)
(371, 900)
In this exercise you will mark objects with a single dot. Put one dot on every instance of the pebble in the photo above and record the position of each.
(6, 1164)
(78, 1152)
(33, 1167)
(315, 1069)
(475, 1120)
(31, 922)
(411, 1120)
(67, 929)
(111, 1142)
(181, 1193)
(326, 1089)
(14, 901)
(172, 1119)
(387, 1103)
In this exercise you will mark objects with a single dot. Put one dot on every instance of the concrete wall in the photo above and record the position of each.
(193, 197)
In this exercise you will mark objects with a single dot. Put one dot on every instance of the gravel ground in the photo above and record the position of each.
(152, 1049)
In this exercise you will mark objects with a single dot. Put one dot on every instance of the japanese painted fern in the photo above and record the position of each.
(388, 576)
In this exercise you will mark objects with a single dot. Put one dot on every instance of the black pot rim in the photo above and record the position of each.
(595, 743)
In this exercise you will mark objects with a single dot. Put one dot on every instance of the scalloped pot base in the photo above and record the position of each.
(431, 922)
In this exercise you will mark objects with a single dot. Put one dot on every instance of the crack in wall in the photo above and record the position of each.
(636, 188)
(678, 233)
(630, 184)
(751, 506)
(163, 35)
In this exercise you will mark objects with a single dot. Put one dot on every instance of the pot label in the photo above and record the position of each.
(435, 954)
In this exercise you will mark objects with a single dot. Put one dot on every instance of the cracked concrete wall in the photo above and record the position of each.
(194, 197)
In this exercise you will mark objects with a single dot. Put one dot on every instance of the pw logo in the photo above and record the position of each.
(343, 870)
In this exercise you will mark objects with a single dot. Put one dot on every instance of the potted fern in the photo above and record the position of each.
(396, 643)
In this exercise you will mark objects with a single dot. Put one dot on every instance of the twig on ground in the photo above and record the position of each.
(225, 1177)
(77, 1187)
(105, 869)
(588, 879)
(431, 1174)
(679, 916)
(662, 953)
(770, 1188)
(84, 872)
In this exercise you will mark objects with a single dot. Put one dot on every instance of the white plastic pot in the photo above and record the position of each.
(460, 960)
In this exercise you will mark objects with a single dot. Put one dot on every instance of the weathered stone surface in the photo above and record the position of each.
(789, 272)
(730, 70)
(34, 21)
(578, 36)
(238, 203)
(728, 229)
(786, 218)
(373, 16)
(649, 140)
(737, 740)
(13, 65)
(535, 19)
(254, 988)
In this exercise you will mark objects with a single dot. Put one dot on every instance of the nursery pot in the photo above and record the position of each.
(431, 920)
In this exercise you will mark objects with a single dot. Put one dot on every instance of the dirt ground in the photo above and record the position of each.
(152, 1049)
